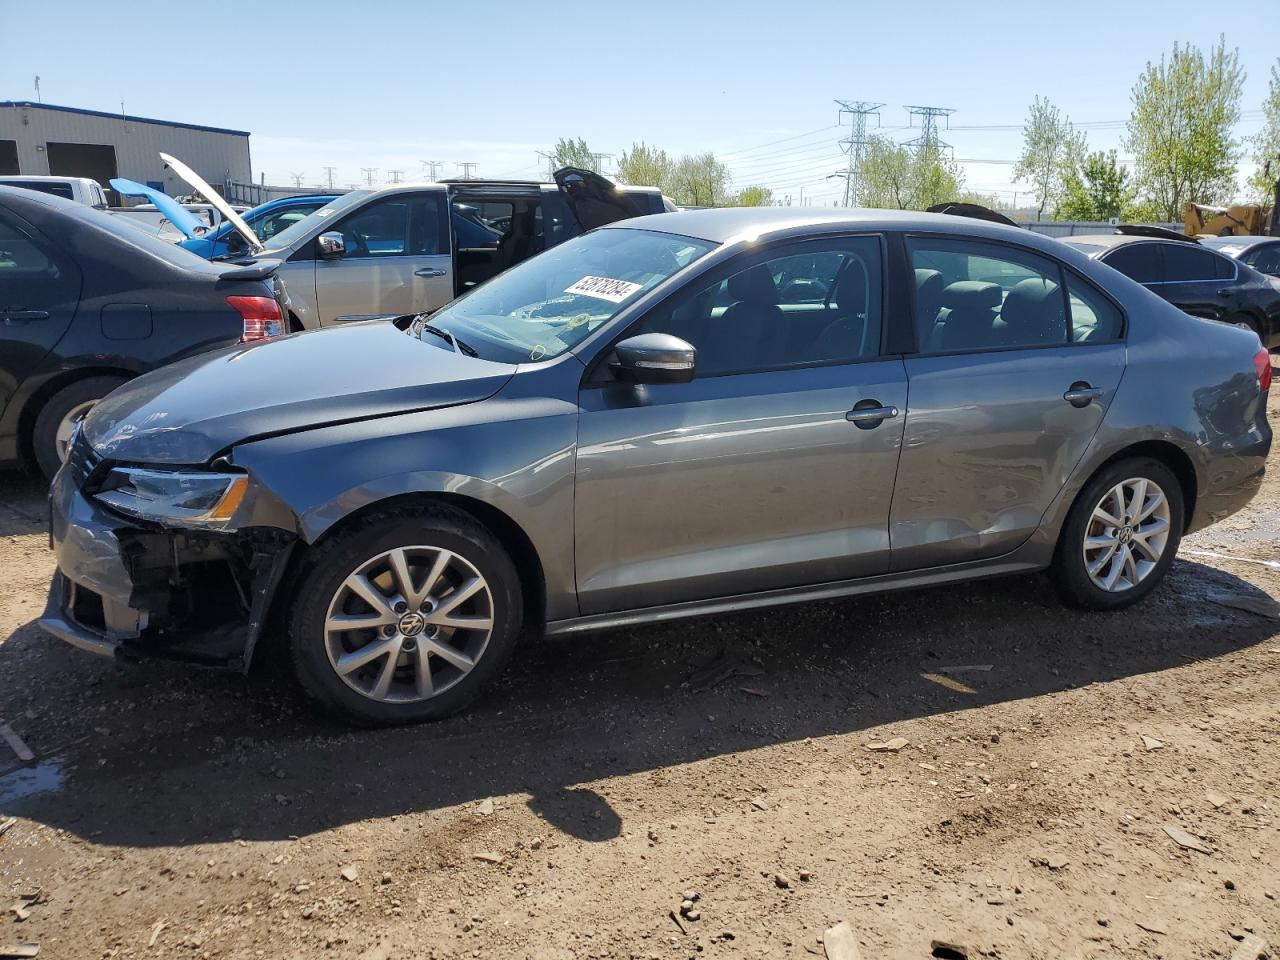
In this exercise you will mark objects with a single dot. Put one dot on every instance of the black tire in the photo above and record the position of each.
(337, 558)
(295, 325)
(44, 435)
(1069, 570)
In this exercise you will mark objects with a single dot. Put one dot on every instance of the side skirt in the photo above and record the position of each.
(807, 594)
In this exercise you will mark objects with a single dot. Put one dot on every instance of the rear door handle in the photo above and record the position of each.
(1081, 394)
(18, 315)
(429, 272)
(869, 413)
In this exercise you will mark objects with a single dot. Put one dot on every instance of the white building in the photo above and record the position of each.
(42, 139)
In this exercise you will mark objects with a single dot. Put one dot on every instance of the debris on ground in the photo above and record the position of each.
(676, 920)
(485, 807)
(889, 746)
(19, 951)
(487, 857)
(968, 668)
(840, 942)
(782, 881)
(1216, 799)
(350, 873)
(1250, 603)
(760, 803)
(16, 743)
(721, 668)
(1151, 927)
(155, 932)
(7, 825)
(1151, 743)
(1252, 947)
(1188, 840)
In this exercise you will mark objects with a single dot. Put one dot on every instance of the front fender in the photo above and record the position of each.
(514, 455)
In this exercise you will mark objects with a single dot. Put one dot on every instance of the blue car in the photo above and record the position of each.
(266, 219)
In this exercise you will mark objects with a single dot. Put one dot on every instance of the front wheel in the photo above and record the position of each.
(405, 616)
(1121, 535)
(59, 417)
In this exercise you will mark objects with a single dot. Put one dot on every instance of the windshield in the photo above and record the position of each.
(544, 306)
(295, 233)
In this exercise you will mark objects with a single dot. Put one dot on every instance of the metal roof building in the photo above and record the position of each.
(43, 139)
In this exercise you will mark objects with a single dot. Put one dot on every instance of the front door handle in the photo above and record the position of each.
(870, 413)
(19, 315)
(429, 272)
(1081, 394)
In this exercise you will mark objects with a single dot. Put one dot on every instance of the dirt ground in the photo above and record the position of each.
(174, 813)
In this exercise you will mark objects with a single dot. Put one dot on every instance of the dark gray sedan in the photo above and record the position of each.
(684, 414)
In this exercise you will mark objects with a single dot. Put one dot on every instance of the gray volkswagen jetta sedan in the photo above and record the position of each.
(681, 414)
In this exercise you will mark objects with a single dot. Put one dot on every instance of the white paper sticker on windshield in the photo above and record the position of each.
(604, 288)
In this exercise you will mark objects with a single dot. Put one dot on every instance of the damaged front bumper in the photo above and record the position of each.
(133, 590)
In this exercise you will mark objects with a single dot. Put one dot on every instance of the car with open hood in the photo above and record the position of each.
(410, 248)
(689, 413)
(87, 302)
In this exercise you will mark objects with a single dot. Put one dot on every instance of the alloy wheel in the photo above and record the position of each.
(1126, 535)
(408, 624)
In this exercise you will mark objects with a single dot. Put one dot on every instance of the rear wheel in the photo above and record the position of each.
(58, 418)
(1121, 535)
(405, 616)
(1244, 321)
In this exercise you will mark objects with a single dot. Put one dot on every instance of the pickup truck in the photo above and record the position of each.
(411, 248)
(80, 189)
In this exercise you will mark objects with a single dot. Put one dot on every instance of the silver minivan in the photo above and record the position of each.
(411, 248)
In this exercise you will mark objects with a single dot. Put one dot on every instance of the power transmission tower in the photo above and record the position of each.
(368, 174)
(296, 178)
(551, 163)
(855, 145)
(928, 127)
(395, 175)
(432, 166)
(467, 167)
(597, 159)
(329, 173)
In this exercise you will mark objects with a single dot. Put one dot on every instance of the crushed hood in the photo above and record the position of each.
(188, 412)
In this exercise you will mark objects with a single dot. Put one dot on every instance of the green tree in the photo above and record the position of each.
(645, 166)
(754, 196)
(1266, 144)
(1050, 149)
(572, 153)
(1098, 189)
(895, 177)
(699, 180)
(1180, 131)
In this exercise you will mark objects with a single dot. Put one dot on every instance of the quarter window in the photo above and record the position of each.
(972, 295)
(1094, 318)
(817, 303)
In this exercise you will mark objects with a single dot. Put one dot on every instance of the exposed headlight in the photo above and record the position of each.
(168, 496)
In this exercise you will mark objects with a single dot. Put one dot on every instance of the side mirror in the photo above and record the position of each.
(331, 246)
(653, 358)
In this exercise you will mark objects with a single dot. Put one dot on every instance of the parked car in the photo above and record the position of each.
(411, 248)
(1260, 253)
(1192, 277)
(80, 189)
(87, 302)
(636, 426)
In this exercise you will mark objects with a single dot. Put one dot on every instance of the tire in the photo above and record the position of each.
(1245, 321)
(373, 692)
(71, 402)
(1081, 588)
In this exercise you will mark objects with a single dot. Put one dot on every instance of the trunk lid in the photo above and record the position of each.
(593, 199)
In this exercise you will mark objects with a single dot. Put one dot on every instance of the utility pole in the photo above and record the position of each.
(38, 97)
(395, 175)
(598, 158)
(368, 174)
(432, 166)
(329, 173)
(928, 127)
(296, 178)
(551, 163)
(855, 145)
(467, 167)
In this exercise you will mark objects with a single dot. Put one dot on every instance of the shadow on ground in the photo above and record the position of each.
(161, 754)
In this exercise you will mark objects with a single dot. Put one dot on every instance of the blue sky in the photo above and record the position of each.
(388, 85)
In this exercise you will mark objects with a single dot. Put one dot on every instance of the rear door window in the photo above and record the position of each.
(1186, 262)
(1138, 261)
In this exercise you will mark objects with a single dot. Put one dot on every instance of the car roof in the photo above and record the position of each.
(42, 178)
(1242, 243)
(725, 224)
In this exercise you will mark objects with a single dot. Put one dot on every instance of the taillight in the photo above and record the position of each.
(1262, 364)
(261, 317)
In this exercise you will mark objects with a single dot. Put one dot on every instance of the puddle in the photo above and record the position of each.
(26, 782)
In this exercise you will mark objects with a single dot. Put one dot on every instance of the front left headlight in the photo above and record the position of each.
(178, 497)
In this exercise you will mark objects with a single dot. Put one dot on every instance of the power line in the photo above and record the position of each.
(329, 173)
(433, 165)
(395, 175)
(467, 167)
(368, 174)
